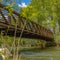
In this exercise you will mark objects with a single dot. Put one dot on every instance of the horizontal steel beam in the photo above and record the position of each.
(26, 34)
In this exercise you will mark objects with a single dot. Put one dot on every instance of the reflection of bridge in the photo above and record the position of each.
(31, 29)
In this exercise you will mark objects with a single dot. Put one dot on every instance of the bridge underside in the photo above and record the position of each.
(26, 34)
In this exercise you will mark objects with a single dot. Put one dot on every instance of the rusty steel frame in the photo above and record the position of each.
(32, 29)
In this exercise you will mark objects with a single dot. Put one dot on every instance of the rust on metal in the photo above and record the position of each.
(32, 29)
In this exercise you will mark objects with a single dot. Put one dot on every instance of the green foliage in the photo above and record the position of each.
(10, 7)
(29, 13)
(42, 11)
(0, 0)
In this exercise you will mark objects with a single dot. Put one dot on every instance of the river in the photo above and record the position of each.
(51, 53)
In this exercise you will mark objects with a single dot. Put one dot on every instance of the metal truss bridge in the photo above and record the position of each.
(9, 24)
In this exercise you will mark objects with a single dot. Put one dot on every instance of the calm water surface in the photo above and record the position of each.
(52, 53)
(1, 57)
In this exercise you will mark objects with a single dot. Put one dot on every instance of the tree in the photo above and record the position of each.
(29, 13)
(43, 11)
